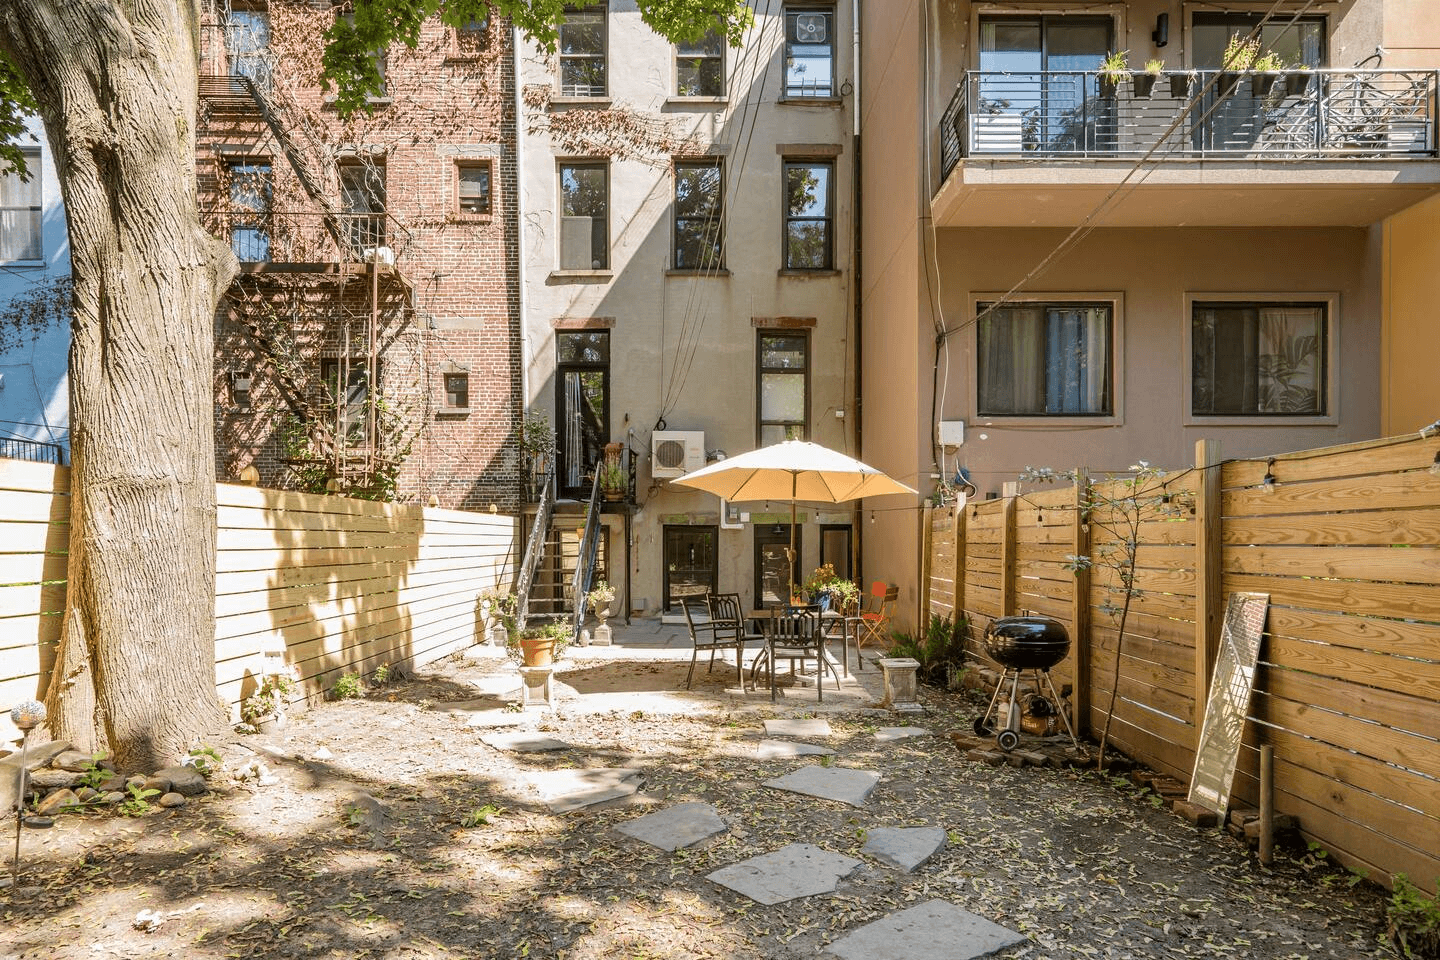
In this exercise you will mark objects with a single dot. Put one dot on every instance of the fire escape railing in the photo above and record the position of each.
(585, 559)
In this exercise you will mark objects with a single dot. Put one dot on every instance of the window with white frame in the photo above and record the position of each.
(584, 216)
(21, 212)
(809, 51)
(472, 188)
(582, 52)
(1045, 359)
(1259, 358)
(700, 66)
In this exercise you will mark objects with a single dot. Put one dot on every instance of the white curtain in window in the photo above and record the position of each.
(20, 214)
(1289, 369)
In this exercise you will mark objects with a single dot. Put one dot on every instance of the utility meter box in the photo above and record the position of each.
(952, 433)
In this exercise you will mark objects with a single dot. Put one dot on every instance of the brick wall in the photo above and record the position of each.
(451, 301)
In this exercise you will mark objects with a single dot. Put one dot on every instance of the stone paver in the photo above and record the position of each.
(798, 728)
(829, 783)
(797, 870)
(936, 930)
(566, 790)
(782, 749)
(904, 847)
(888, 734)
(679, 826)
(524, 742)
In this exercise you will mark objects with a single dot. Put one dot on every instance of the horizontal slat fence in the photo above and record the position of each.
(1347, 544)
(337, 585)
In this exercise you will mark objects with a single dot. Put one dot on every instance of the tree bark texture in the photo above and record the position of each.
(116, 84)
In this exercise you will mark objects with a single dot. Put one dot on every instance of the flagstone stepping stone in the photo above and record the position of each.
(797, 870)
(524, 742)
(935, 930)
(904, 847)
(679, 826)
(829, 783)
(887, 734)
(781, 749)
(566, 790)
(798, 728)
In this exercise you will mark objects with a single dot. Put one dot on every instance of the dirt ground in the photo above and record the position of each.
(469, 863)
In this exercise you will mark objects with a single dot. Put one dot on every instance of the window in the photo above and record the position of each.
(247, 43)
(1258, 359)
(809, 225)
(251, 189)
(1045, 359)
(773, 570)
(472, 188)
(783, 370)
(21, 232)
(457, 390)
(699, 226)
(362, 194)
(1034, 91)
(809, 51)
(690, 563)
(472, 36)
(347, 388)
(700, 67)
(584, 216)
(378, 57)
(1302, 43)
(582, 376)
(582, 52)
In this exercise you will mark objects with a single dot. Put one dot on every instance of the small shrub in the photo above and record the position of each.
(939, 651)
(268, 699)
(1412, 921)
(480, 816)
(137, 804)
(381, 676)
(205, 759)
(348, 687)
(93, 775)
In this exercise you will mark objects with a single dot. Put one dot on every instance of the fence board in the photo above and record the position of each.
(1402, 564)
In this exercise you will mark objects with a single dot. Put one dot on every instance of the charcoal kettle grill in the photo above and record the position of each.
(1019, 644)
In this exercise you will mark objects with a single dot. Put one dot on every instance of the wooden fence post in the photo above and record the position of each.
(1208, 600)
(957, 534)
(1007, 551)
(1080, 611)
(927, 564)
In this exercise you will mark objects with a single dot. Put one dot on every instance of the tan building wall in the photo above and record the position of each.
(1411, 388)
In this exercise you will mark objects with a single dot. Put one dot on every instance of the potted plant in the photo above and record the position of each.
(1180, 83)
(1112, 70)
(264, 710)
(1143, 82)
(1268, 67)
(1239, 56)
(613, 480)
(599, 600)
(539, 645)
(1297, 79)
(497, 610)
(536, 439)
(831, 592)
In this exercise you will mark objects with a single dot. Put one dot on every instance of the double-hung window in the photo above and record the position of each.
(809, 51)
(699, 215)
(379, 57)
(783, 371)
(809, 215)
(1046, 359)
(347, 388)
(21, 233)
(582, 52)
(700, 67)
(472, 188)
(584, 216)
(247, 42)
(1259, 358)
(362, 193)
(251, 189)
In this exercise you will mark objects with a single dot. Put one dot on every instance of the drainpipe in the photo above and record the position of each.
(519, 201)
(858, 548)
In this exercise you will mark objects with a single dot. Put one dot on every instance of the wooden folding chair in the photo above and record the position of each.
(873, 623)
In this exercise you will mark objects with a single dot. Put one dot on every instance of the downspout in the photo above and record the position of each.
(855, 274)
(520, 263)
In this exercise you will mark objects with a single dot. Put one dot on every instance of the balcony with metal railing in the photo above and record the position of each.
(310, 242)
(1299, 147)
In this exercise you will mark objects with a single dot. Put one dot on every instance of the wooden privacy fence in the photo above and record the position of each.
(1346, 541)
(338, 585)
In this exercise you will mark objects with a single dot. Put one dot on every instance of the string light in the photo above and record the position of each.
(1267, 482)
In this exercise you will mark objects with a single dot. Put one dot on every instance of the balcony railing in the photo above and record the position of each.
(1287, 115)
(18, 448)
(305, 238)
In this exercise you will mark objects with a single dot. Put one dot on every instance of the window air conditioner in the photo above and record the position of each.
(674, 453)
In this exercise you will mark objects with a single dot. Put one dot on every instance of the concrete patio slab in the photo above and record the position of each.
(935, 930)
(797, 870)
(829, 783)
(904, 847)
(524, 742)
(890, 734)
(783, 749)
(798, 728)
(682, 825)
(566, 790)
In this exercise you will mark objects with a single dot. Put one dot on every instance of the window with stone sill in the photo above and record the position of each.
(473, 193)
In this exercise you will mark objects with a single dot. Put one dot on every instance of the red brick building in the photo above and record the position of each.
(371, 342)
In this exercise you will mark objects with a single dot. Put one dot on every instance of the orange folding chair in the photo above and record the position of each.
(873, 623)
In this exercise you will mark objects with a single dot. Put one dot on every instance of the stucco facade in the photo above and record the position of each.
(683, 339)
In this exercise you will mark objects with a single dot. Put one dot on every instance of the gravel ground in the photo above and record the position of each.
(457, 857)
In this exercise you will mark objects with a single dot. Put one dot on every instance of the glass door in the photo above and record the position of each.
(772, 569)
(582, 382)
(689, 563)
(1036, 93)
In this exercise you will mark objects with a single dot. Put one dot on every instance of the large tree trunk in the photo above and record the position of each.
(116, 84)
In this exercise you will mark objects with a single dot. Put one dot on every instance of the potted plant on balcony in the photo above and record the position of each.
(536, 439)
(1113, 69)
(1143, 81)
(1180, 83)
(612, 480)
(1297, 79)
(1239, 56)
(1268, 67)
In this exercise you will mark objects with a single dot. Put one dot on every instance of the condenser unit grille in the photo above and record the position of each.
(670, 454)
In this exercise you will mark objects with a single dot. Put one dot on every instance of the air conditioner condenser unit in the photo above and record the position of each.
(674, 453)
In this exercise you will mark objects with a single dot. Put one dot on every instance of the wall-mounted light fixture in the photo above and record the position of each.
(1161, 35)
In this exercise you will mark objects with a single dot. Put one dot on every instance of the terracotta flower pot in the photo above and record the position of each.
(537, 651)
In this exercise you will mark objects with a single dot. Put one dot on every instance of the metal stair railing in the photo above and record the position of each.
(585, 561)
(534, 553)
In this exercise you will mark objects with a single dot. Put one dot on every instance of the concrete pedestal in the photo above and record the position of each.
(537, 686)
(601, 637)
(900, 682)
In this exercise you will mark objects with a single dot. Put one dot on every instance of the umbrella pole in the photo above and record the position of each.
(791, 555)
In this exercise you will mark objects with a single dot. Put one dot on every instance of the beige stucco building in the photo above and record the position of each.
(686, 248)
(1088, 270)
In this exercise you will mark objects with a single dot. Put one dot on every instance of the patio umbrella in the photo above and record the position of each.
(793, 470)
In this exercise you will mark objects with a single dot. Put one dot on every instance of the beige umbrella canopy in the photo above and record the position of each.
(793, 470)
